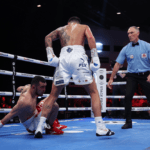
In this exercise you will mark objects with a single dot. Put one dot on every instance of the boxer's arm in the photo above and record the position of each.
(50, 38)
(20, 88)
(52, 59)
(23, 88)
(95, 62)
(90, 38)
(16, 110)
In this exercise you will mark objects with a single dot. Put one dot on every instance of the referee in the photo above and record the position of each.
(137, 54)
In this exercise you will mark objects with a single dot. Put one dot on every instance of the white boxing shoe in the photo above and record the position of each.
(38, 133)
(104, 132)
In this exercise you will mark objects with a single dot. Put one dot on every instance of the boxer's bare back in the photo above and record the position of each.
(71, 34)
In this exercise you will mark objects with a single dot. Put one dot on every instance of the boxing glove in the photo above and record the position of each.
(52, 59)
(95, 62)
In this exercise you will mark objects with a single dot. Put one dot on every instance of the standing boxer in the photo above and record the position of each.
(73, 63)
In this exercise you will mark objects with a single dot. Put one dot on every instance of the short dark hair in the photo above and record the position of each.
(74, 19)
(112, 63)
(36, 80)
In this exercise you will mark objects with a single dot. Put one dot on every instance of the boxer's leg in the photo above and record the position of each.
(53, 114)
(50, 127)
(96, 106)
(48, 104)
(47, 107)
(82, 75)
(51, 120)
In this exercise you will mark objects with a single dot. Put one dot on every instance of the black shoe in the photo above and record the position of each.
(127, 125)
(38, 135)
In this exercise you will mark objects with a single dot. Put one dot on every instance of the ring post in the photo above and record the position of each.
(101, 86)
(100, 79)
(13, 79)
(66, 96)
(66, 102)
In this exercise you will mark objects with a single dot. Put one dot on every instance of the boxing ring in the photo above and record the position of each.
(79, 130)
(100, 77)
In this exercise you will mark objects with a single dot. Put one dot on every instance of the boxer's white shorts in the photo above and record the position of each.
(32, 123)
(73, 63)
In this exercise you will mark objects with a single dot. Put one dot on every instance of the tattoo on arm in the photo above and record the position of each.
(47, 107)
(23, 91)
(51, 37)
(25, 88)
(48, 42)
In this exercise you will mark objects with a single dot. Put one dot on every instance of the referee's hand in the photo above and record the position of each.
(109, 85)
(148, 78)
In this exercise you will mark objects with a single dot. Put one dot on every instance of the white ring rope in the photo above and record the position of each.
(74, 96)
(4, 72)
(120, 71)
(133, 108)
(25, 59)
(80, 108)
(118, 83)
(134, 97)
(19, 74)
(46, 95)
(42, 63)
(7, 110)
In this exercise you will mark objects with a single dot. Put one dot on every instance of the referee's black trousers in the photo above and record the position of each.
(132, 83)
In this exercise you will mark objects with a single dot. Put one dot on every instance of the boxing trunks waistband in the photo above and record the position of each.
(72, 48)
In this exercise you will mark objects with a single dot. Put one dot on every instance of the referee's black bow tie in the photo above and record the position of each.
(133, 44)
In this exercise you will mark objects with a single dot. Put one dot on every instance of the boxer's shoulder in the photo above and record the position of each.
(62, 28)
